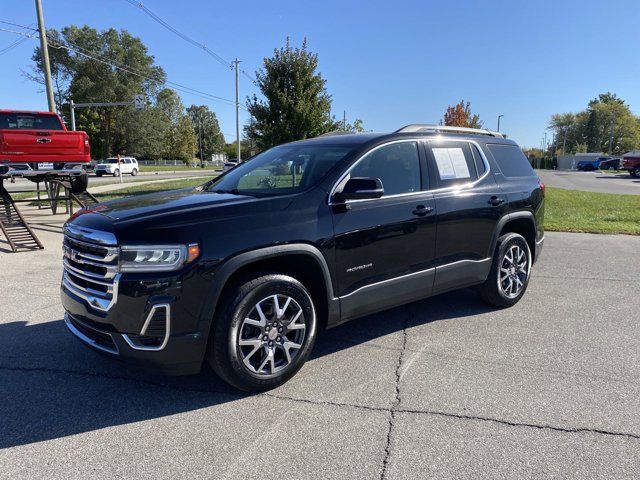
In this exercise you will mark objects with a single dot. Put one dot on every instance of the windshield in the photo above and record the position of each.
(111, 160)
(281, 170)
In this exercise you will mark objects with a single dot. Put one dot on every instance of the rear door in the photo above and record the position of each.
(469, 204)
(385, 247)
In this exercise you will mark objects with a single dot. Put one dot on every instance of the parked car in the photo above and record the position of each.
(590, 165)
(631, 165)
(110, 166)
(247, 268)
(229, 165)
(610, 164)
(41, 140)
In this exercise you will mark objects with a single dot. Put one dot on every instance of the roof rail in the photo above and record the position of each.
(335, 132)
(420, 127)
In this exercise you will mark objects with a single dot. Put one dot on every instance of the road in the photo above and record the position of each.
(591, 181)
(23, 184)
(442, 388)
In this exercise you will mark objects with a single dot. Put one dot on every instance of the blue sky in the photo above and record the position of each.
(388, 63)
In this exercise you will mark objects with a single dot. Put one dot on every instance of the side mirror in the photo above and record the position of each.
(361, 188)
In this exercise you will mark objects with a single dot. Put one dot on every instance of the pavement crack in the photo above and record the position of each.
(396, 402)
(392, 412)
(521, 424)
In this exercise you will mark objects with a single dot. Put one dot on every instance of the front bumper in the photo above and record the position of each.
(120, 331)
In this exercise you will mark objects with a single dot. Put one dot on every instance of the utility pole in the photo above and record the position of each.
(200, 141)
(44, 49)
(611, 140)
(72, 107)
(236, 63)
(499, 117)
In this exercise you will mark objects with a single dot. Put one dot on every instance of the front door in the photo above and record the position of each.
(385, 247)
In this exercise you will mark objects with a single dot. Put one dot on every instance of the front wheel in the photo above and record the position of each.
(116, 172)
(264, 330)
(510, 271)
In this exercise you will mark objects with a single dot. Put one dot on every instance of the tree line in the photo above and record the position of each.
(88, 65)
(607, 125)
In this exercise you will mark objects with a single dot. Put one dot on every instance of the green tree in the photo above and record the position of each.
(356, 127)
(180, 140)
(207, 129)
(607, 125)
(296, 104)
(83, 62)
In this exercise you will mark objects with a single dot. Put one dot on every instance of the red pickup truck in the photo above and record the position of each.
(41, 140)
(631, 163)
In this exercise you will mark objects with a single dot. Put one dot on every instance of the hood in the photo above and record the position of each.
(171, 202)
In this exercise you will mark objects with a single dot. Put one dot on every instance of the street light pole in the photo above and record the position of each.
(73, 115)
(237, 62)
(499, 117)
(44, 50)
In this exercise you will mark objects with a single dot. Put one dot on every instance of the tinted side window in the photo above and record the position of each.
(511, 161)
(480, 166)
(454, 163)
(397, 165)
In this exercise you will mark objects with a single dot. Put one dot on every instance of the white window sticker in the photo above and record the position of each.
(451, 163)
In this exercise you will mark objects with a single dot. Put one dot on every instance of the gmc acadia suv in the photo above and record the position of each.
(246, 269)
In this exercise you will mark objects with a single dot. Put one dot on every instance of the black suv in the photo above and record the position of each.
(246, 269)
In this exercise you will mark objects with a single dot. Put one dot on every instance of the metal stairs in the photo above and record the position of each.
(14, 227)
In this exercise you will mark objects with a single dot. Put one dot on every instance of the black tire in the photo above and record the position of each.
(225, 354)
(491, 291)
(98, 174)
(134, 172)
(80, 183)
(116, 172)
(635, 173)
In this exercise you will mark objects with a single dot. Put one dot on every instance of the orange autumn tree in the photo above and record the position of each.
(460, 115)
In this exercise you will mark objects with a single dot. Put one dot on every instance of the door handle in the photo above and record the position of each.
(422, 210)
(495, 201)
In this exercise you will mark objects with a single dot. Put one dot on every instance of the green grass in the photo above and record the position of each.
(150, 188)
(577, 211)
(171, 168)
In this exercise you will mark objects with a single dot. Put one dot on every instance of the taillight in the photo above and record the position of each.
(542, 187)
(87, 147)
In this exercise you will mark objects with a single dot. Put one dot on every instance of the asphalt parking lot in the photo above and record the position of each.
(442, 388)
(621, 183)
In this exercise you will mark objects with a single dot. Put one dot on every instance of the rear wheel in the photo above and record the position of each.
(264, 330)
(79, 183)
(635, 173)
(509, 275)
(134, 172)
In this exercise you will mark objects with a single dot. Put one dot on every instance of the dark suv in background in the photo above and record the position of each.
(247, 268)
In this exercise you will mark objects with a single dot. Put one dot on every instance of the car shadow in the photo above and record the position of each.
(52, 386)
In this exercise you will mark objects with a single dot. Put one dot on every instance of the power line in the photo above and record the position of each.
(13, 45)
(186, 38)
(177, 32)
(86, 53)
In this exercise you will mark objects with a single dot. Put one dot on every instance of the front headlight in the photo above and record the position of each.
(156, 258)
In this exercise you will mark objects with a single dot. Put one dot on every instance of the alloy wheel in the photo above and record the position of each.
(514, 270)
(272, 334)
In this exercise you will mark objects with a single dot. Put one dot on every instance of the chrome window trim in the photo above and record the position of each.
(435, 190)
(135, 346)
(364, 155)
(88, 340)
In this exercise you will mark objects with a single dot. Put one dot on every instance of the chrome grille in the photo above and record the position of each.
(90, 264)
